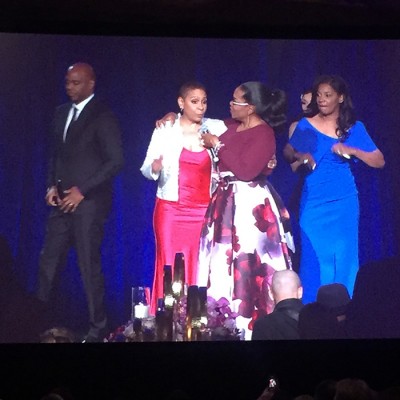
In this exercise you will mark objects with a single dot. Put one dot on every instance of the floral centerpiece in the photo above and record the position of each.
(222, 320)
(219, 323)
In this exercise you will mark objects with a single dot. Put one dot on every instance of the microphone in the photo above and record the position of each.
(203, 130)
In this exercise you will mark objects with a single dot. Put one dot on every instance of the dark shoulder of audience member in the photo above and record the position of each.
(21, 314)
(390, 393)
(52, 396)
(325, 318)
(282, 324)
(59, 393)
(278, 394)
(318, 322)
(325, 390)
(353, 389)
(374, 308)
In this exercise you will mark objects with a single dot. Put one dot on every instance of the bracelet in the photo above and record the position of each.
(217, 147)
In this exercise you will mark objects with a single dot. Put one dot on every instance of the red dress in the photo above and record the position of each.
(177, 225)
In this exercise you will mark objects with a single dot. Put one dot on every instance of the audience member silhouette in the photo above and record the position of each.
(59, 393)
(286, 292)
(58, 335)
(325, 390)
(326, 317)
(274, 392)
(390, 393)
(374, 309)
(21, 314)
(330, 389)
(353, 389)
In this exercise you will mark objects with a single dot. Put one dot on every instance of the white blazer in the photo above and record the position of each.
(168, 142)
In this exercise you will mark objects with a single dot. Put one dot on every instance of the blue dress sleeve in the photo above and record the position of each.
(304, 139)
(360, 138)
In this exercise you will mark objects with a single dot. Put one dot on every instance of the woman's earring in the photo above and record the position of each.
(181, 110)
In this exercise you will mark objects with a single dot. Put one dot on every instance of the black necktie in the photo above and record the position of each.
(73, 120)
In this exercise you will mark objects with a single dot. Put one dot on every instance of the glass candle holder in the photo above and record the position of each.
(140, 302)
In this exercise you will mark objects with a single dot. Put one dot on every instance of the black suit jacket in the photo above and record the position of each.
(92, 153)
(281, 324)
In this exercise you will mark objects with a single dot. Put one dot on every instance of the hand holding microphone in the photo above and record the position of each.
(208, 140)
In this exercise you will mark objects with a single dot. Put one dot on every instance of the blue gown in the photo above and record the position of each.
(329, 210)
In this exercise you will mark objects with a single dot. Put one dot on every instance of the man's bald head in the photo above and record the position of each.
(80, 82)
(286, 284)
(84, 68)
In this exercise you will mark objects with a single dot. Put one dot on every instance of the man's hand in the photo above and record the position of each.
(52, 198)
(72, 199)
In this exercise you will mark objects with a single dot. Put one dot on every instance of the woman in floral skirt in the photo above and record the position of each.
(246, 234)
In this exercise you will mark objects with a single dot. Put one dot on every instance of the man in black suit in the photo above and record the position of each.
(282, 324)
(87, 156)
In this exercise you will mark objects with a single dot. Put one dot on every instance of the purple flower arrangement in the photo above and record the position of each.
(219, 324)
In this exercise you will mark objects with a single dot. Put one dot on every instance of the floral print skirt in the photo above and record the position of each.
(246, 237)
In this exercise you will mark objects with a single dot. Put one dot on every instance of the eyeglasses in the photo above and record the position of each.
(238, 103)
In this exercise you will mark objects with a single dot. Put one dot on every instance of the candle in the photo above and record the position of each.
(203, 305)
(179, 267)
(141, 311)
(140, 297)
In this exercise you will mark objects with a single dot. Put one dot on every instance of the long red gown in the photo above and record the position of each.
(177, 225)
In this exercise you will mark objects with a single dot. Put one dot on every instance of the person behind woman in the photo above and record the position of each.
(305, 100)
(243, 239)
(183, 169)
(328, 142)
(294, 200)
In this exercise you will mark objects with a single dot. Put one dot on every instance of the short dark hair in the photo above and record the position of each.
(190, 85)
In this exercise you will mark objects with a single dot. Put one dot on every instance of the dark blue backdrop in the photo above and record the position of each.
(139, 77)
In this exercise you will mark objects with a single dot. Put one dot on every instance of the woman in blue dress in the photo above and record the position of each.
(326, 144)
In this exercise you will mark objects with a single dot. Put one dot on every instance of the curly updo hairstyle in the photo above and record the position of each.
(270, 104)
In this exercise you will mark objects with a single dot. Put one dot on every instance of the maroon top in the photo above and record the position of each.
(246, 153)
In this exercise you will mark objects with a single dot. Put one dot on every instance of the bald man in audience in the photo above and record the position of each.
(282, 324)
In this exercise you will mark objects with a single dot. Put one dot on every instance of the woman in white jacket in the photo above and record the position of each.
(183, 169)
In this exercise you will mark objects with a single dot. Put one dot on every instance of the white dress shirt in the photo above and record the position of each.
(79, 107)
